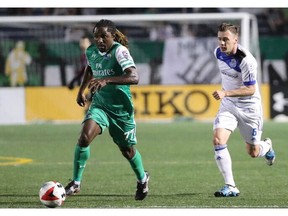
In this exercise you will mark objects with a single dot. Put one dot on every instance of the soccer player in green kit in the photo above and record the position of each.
(108, 75)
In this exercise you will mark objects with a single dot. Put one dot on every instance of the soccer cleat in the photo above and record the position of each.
(270, 156)
(72, 188)
(142, 188)
(227, 191)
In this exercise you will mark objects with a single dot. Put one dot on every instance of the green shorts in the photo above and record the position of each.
(121, 128)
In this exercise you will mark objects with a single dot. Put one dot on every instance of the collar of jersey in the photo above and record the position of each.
(105, 53)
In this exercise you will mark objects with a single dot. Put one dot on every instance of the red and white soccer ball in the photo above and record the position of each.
(52, 194)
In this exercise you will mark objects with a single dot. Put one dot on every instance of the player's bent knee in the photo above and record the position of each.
(216, 141)
(253, 154)
(128, 152)
(252, 150)
(84, 140)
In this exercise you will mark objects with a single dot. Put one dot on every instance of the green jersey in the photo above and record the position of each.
(116, 100)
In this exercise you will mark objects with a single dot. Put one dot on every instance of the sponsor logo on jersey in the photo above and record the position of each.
(105, 72)
(229, 74)
(98, 66)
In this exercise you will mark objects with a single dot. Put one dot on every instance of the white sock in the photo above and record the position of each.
(263, 148)
(224, 163)
(77, 182)
(142, 181)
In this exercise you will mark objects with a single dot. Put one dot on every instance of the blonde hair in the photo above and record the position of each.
(227, 26)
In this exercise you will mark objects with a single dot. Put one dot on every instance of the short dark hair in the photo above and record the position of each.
(227, 26)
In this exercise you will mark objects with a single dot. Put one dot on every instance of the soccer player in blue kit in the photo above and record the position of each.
(108, 75)
(240, 106)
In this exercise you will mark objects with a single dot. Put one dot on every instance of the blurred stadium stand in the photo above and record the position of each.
(271, 21)
(58, 45)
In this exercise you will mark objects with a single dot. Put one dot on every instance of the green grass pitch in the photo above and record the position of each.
(178, 155)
